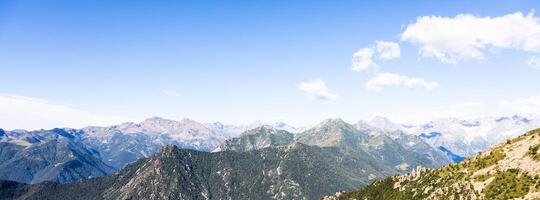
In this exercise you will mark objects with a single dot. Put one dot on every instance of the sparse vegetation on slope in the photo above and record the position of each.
(507, 171)
(508, 184)
(486, 161)
(533, 152)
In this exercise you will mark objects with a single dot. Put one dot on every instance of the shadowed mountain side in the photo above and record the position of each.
(295, 171)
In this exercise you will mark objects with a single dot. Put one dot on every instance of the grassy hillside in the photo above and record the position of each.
(510, 170)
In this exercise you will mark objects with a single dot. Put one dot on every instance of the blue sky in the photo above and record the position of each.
(77, 63)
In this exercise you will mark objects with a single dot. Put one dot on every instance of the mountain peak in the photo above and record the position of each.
(161, 120)
(258, 138)
(167, 150)
(280, 124)
(153, 119)
(363, 125)
(161, 125)
(379, 118)
(218, 125)
(264, 129)
(332, 122)
(330, 132)
(384, 123)
(188, 121)
(156, 122)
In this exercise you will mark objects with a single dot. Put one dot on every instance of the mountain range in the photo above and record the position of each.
(461, 138)
(48, 156)
(510, 170)
(401, 152)
(66, 155)
(262, 163)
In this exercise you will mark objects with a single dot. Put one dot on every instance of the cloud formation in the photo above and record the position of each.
(528, 106)
(534, 61)
(387, 50)
(20, 112)
(382, 80)
(363, 59)
(170, 93)
(317, 90)
(459, 110)
(466, 37)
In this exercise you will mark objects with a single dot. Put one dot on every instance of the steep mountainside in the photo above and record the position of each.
(263, 163)
(53, 156)
(101, 150)
(510, 170)
(186, 133)
(258, 138)
(393, 152)
(294, 171)
(395, 149)
(127, 142)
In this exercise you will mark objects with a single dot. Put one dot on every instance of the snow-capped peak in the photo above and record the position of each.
(385, 124)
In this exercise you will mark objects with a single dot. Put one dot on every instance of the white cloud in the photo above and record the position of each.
(387, 50)
(171, 93)
(382, 80)
(534, 61)
(363, 60)
(527, 106)
(20, 112)
(466, 37)
(317, 90)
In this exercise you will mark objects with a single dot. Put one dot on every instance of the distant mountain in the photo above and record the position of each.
(262, 163)
(384, 124)
(392, 152)
(231, 131)
(258, 138)
(461, 138)
(128, 142)
(392, 148)
(468, 137)
(33, 157)
(228, 131)
(510, 170)
(51, 155)
(288, 128)
(401, 147)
